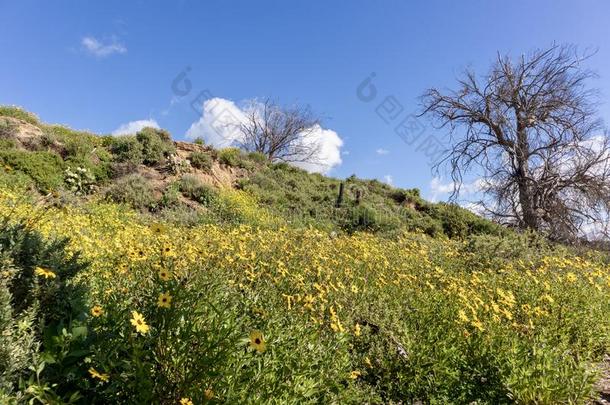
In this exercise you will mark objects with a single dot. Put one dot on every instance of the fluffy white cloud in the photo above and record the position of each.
(134, 126)
(219, 126)
(382, 151)
(388, 179)
(99, 49)
(438, 188)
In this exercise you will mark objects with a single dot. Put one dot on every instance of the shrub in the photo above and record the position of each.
(258, 158)
(7, 129)
(80, 180)
(45, 168)
(230, 156)
(201, 160)
(191, 187)
(19, 113)
(199, 141)
(156, 145)
(127, 149)
(133, 190)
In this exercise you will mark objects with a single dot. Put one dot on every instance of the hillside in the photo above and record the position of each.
(188, 181)
(137, 269)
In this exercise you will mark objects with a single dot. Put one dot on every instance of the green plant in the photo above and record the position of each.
(127, 149)
(80, 180)
(133, 190)
(19, 113)
(45, 168)
(199, 141)
(230, 156)
(156, 145)
(201, 160)
(191, 187)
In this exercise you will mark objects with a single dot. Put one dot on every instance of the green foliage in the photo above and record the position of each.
(80, 180)
(44, 168)
(33, 306)
(201, 160)
(191, 187)
(230, 156)
(127, 149)
(133, 190)
(258, 158)
(19, 113)
(199, 141)
(156, 145)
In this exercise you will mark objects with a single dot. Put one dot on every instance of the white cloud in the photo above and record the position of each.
(134, 126)
(329, 153)
(218, 126)
(388, 179)
(101, 50)
(382, 151)
(438, 188)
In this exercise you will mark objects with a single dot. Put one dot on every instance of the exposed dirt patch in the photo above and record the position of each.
(603, 385)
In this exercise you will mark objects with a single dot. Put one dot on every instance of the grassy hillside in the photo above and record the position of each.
(135, 277)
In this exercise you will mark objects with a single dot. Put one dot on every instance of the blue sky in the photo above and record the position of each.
(314, 52)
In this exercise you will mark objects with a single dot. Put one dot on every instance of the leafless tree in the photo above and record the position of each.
(529, 128)
(280, 133)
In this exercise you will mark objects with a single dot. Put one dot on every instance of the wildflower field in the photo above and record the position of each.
(266, 313)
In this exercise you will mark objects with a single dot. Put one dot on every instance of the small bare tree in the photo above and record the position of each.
(529, 128)
(280, 133)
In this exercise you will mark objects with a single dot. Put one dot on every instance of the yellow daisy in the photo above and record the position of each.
(97, 311)
(165, 300)
(257, 342)
(138, 321)
(164, 275)
(186, 401)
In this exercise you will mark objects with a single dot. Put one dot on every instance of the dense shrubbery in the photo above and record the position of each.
(201, 160)
(133, 190)
(191, 187)
(45, 168)
(156, 145)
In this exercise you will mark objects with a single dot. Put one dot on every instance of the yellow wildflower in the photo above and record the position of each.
(165, 300)
(97, 311)
(257, 341)
(164, 275)
(354, 374)
(208, 394)
(186, 401)
(100, 376)
(39, 271)
(138, 321)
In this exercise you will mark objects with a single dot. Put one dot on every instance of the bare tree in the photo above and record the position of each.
(280, 133)
(530, 129)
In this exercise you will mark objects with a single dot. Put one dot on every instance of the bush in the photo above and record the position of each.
(156, 145)
(133, 190)
(191, 187)
(201, 160)
(45, 168)
(7, 129)
(230, 156)
(19, 113)
(127, 149)
(80, 180)
(258, 158)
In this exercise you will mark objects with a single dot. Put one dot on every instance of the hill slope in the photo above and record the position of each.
(186, 181)
(229, 279)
